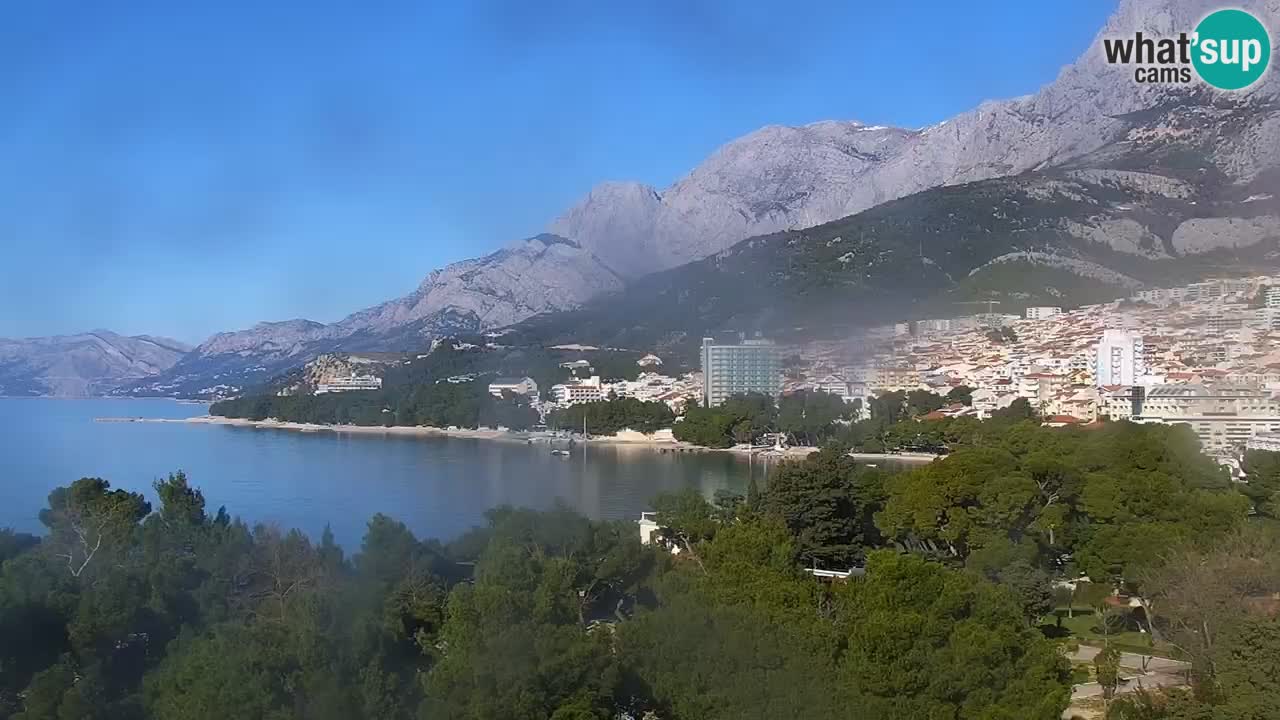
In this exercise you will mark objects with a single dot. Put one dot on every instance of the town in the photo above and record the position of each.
(1202, 355)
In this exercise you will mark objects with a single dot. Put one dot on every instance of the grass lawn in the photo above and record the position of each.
(1081, 627)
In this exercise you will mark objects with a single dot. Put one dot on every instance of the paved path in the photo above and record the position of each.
(1133, 661)
(1136, 671)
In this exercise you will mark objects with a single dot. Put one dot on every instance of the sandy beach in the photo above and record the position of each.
(481, 434)
(629, 439)
(905, 457)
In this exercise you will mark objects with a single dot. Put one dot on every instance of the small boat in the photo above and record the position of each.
(560, 453)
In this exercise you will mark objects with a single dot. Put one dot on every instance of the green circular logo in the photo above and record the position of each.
(1232, 49)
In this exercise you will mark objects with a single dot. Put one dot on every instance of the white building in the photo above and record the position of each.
(1118, 359)
(519, 386)
(987, 400)
(1224, 417)
(1041, 312)
(1273, 296)
(649, 361)
(573, 393)
(1122, 403)
(347, 384)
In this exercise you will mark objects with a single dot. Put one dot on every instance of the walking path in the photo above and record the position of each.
(1136, 671)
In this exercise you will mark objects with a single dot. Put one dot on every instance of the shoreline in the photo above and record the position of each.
(522, 437)
(903, 457)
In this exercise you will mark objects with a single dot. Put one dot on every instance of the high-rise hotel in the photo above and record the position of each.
(750, 366)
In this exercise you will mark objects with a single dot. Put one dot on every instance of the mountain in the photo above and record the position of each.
(1094, 183)
(793, 177)
(90, 363)
(1152, 208)
(536, 275)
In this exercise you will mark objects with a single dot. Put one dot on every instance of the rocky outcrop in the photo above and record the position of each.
(90, 363)
(1200, 235)
(784, 177)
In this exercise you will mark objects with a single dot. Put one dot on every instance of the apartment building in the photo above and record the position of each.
(1118, 358)
(581, 391)
(519, 386)
(350, 383)
(1042, 312)
(1223, 416)
(749, 366)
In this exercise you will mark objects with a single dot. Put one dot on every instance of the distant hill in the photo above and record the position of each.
(92, 363)
(536, 275)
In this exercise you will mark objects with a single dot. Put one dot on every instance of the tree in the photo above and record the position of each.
(237, 670)
(1019, 409)
(515, 648)
(1194, 594)
(960, 394)
(283, 568)
(89, 518)
(1106, 668)
(610, 416)
(1262, 472)
(923, 402)
(811, 415)
(687, 518)
(1030, 586)
(965, 501)
(13, 544)
(924, 641)
(827, 504)
(889, 407)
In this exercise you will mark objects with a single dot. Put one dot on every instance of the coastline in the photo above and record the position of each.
(903, 457)
(662, 445)
(631, 440)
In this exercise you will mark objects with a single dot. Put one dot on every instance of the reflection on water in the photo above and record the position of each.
(438, 486)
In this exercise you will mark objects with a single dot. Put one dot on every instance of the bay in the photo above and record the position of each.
(437, 486)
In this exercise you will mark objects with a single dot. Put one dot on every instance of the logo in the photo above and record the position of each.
(1229, 49)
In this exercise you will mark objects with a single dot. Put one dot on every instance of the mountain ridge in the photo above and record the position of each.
(1091, 117)
(83, 364)
(715, 204)
(535, 275)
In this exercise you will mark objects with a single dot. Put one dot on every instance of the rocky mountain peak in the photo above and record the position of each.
(780, 177)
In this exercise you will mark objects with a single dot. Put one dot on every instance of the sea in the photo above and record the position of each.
(438, 486)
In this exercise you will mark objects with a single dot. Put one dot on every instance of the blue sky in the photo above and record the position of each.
(185, 168)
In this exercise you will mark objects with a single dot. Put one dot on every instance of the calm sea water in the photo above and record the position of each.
(438, 486)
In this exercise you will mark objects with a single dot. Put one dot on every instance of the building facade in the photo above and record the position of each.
(751, 366)
(519, 386)
(348, 384)
(1118, 359)
(1273, 297)
(1042, 312)
(582, 391)
(1224, 417)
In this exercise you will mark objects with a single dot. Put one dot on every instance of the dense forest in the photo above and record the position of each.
(128, 610)
(443, 404)
(609, 416)
(808, 417)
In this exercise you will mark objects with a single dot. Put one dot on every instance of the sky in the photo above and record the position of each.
(181, 169)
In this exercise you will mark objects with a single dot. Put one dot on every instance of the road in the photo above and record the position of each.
(1136, 671)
